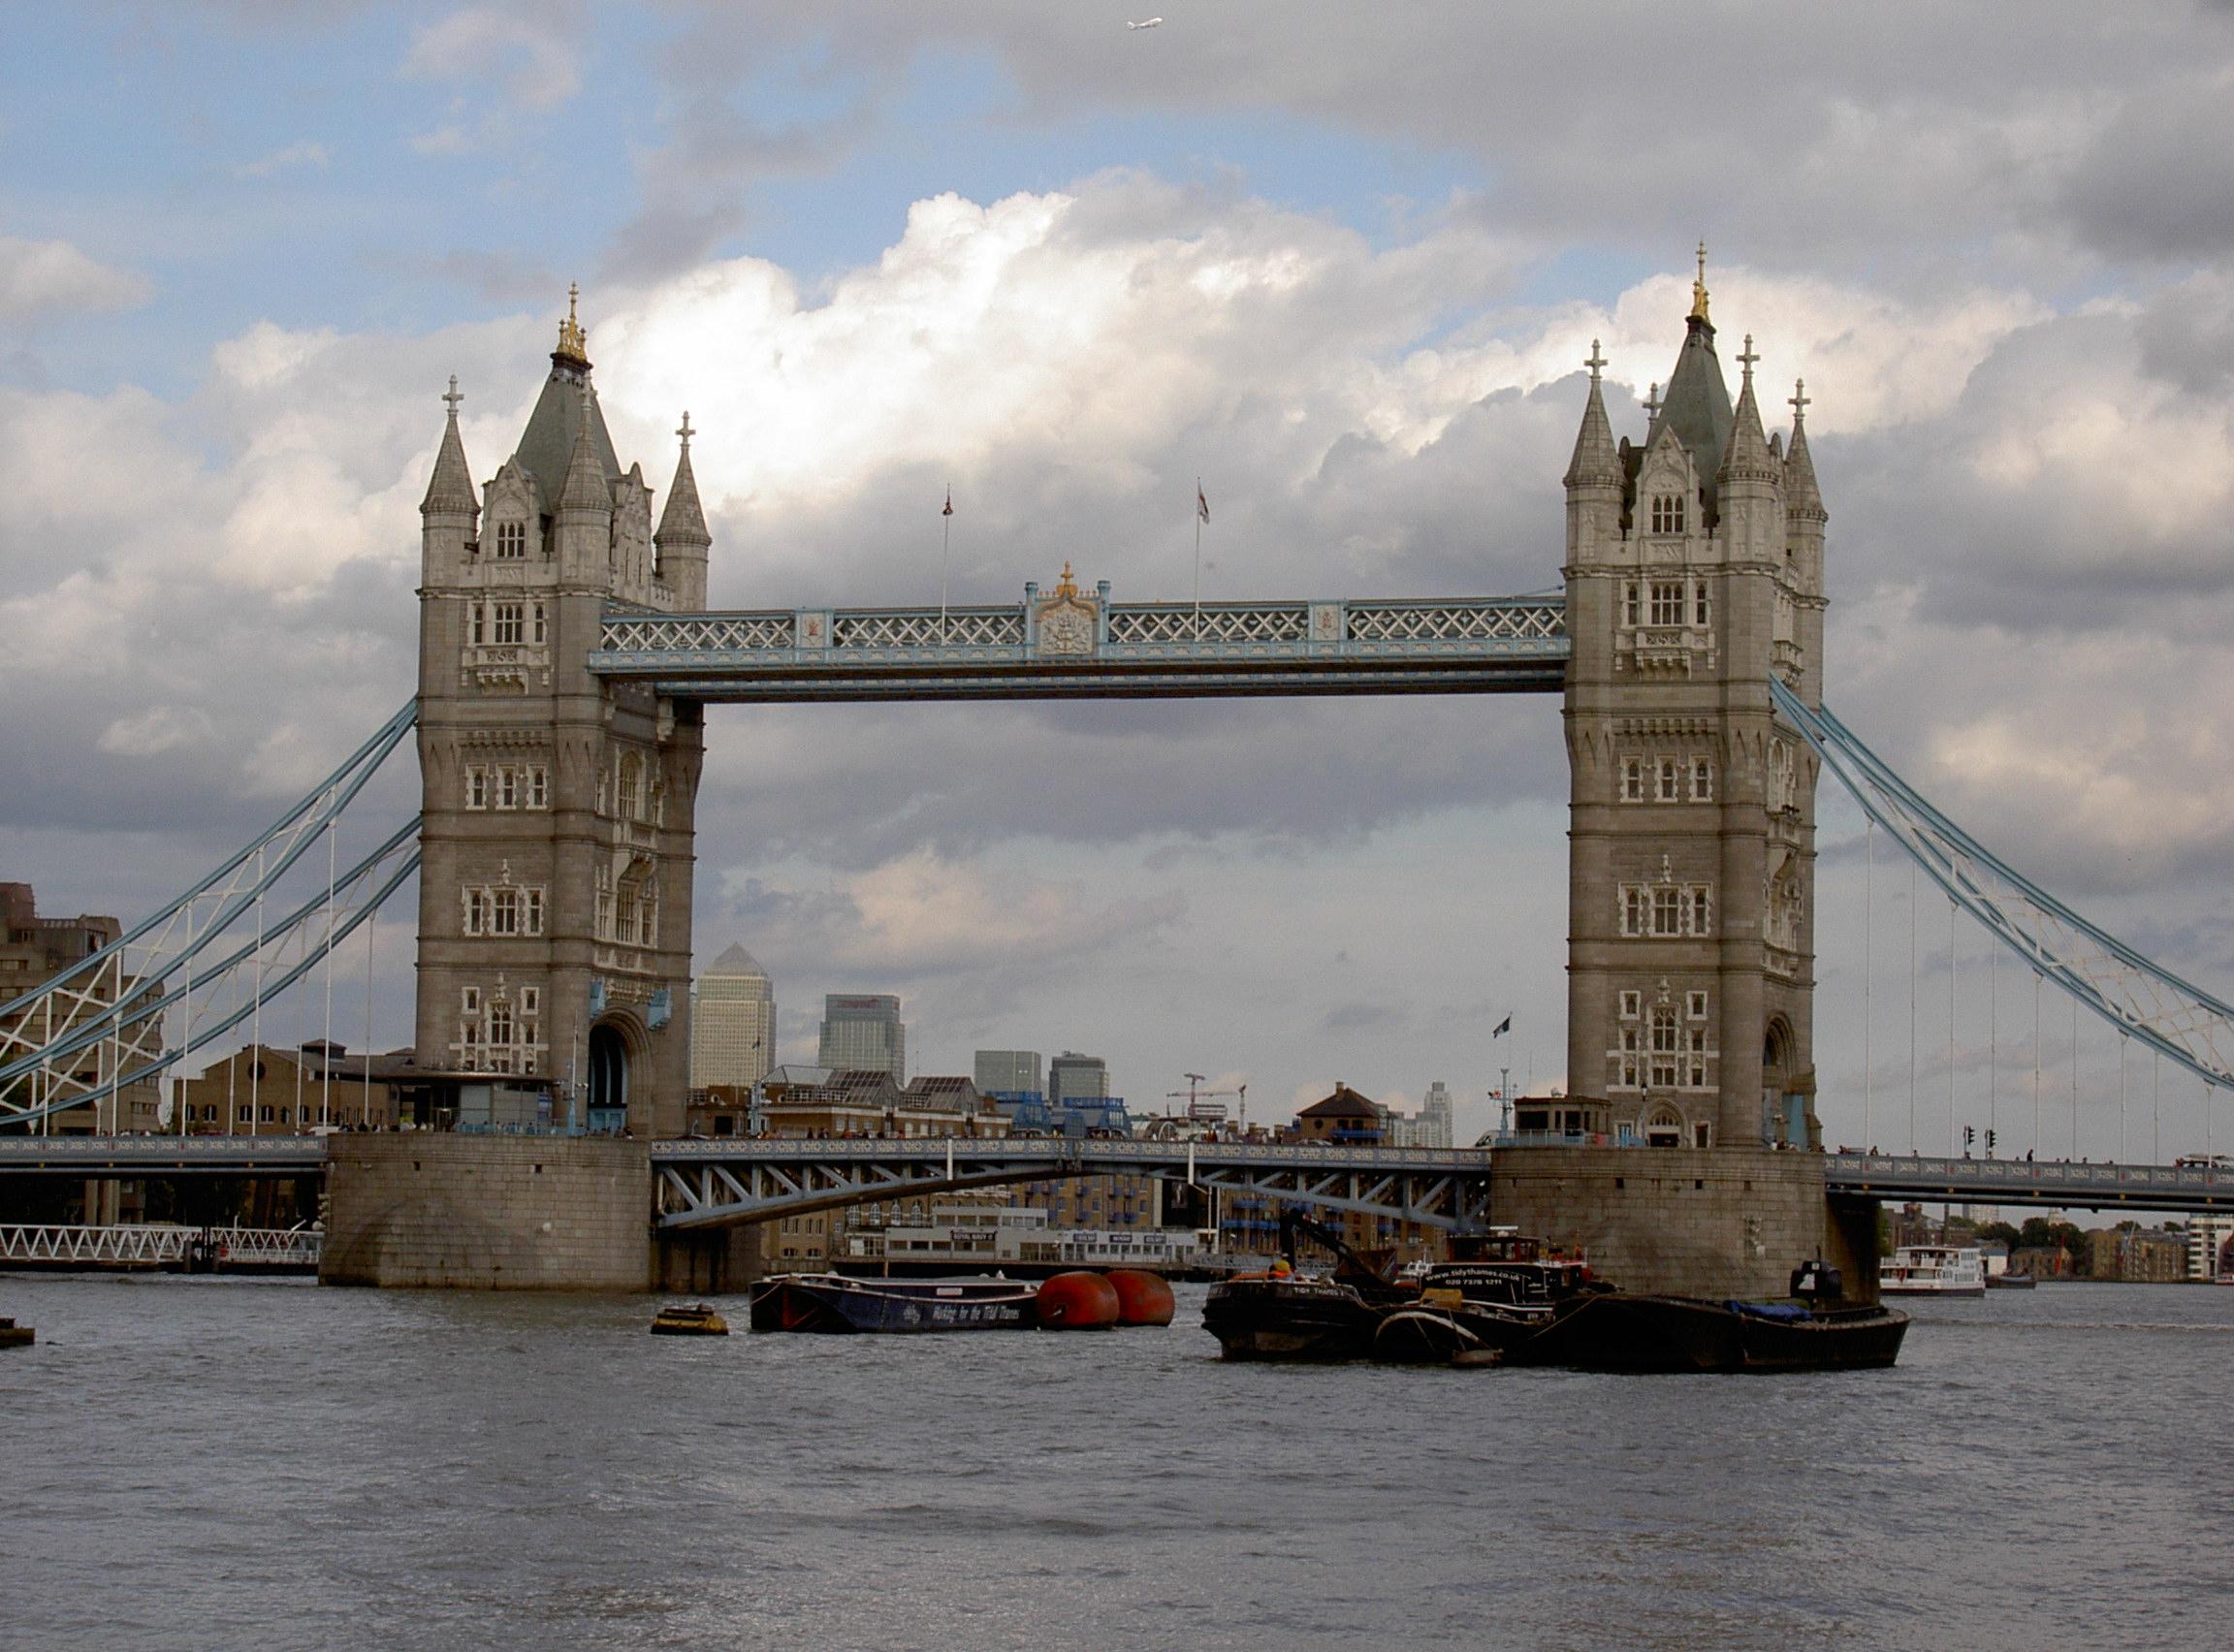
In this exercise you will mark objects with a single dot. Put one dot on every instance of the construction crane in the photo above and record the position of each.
(1202, 1103)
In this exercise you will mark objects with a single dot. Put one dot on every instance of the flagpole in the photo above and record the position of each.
(1200, 512)
(945, 545)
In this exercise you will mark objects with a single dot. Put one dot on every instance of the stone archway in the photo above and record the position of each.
(1661, 1125)
(607, 1086)
(1777, 1122)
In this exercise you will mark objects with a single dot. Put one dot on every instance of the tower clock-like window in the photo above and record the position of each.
(1668, 513)
(511, 541)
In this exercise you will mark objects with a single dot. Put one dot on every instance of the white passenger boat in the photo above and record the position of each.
(1932, 1270)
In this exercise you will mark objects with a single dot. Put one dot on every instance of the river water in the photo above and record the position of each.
(225, 1463)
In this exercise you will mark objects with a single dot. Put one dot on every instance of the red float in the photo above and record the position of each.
(1077, 1302)
(1143, 1298)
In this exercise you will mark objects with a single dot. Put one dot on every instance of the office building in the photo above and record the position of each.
(862, 1030)
(732, 1022)
(1010, 1072)
(1072, 1076)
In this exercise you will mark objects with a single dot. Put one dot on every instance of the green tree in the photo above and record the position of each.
(2002, 1231)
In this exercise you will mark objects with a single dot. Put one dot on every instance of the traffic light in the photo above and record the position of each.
(1969, 1134)
(1988, 1141)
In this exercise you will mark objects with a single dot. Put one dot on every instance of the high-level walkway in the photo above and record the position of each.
(711, 1184)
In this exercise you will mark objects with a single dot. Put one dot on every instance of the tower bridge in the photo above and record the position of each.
(567, 656)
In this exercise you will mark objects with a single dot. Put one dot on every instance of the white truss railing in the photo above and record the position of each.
(928, 628)
(2132, 993)
(1284, 623)
(60, 1245)
(1456, 622)
(204, 965)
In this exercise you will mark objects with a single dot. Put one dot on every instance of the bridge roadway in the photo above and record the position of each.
(705, 1184)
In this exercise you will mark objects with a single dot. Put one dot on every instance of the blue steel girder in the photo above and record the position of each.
(1468, 645)
(2117, 983)
(715, 1184)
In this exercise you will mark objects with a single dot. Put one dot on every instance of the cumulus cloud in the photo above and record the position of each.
(52, 277)
(302, 154)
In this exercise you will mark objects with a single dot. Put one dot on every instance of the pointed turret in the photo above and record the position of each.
(450, 490)
(1596, 461)
(1745, 457)
(683, 540)
(1696, 406)
(1802, 496)
(586, 488)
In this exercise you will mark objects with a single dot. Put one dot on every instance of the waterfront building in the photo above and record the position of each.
(1008, 1072)
(1072, 1076)
(732, 1022)
(2209, 1246)
(33, 951)
(863, 1029)
(2138, 1255)
(1344, 1117)
(263, 1090)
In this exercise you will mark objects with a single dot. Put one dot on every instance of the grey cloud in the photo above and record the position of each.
(2159, 183)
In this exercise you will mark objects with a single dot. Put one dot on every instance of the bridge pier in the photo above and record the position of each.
(1716, 1222)
(488, 1212)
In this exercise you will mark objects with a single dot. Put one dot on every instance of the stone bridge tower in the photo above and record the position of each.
(1694, 570)
(555, 889)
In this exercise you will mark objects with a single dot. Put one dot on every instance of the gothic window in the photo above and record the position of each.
(511, 540)
(1628, 603)
(1664, 1048)
(625, 915)
(499, 1023)
(1635, 911)
(476, 788)
(1629, 1067)
(1665, 793)
(1697, 1061)
(505, 912)
(530, 998)
(469, 1000)
(531, 911)
(542, 632)
(1696, 1006)
(1629, 1005)
(1701, 779)
(538, 788)
(1632, 780)
(630, 789)
(1667, 911)
(476, 623)
(1701, 909)
(476, 913)
(1668, 513)
(505, 624)
(1666, 602)
(507, 787)
(1699, 608)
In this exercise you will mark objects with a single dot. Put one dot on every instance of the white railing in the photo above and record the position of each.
(143, 1245)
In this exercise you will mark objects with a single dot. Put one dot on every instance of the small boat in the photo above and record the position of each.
(689, 1320)
(1445, 1328)
(1281, 1314)
(2007, 1280)
(13, 1335)
(833, 1304)
(1934, 1270)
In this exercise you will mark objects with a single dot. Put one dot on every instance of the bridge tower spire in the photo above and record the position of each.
(1694, 574)
(556, 837)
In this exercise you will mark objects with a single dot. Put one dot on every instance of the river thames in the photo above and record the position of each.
(219, 1463)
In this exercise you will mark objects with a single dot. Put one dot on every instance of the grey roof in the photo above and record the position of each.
(734, 962)
(684, 523)
(548, 443)
(1697, 404)
(450, 489)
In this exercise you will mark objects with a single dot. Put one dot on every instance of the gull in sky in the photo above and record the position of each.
(1151, 23)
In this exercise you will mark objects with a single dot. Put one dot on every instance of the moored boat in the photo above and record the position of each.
(1279, 1314)
(1934, 1270)
(833, 1304)
(1622, 1331)
(1444, 1328)
(13, 1335)
(2007, 1280)
(689, 1320)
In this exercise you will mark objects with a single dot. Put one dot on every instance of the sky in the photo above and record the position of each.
(1342, 263)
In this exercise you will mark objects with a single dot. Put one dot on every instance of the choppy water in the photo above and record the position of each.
(200, 1463)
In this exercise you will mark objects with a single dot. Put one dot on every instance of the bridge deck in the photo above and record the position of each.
(1109, 650)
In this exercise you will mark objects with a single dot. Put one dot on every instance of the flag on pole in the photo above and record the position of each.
(949, 510)
(1202, 503)
(1501, 1028)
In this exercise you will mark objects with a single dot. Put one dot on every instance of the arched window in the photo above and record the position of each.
(630, 792)
(511, 540)
(1667, 513)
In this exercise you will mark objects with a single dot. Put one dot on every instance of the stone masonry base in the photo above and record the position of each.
(488, 1212)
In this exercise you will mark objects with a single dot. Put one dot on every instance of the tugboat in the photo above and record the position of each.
(1281, 1314)
(1815, 1331)
(832, 1304)
(1501, 1290)
(13, 1335)
(689, 1320)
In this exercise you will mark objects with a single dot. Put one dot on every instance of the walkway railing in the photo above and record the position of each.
(129, 1245)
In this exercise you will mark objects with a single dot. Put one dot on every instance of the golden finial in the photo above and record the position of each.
(1067, 586)
(1699, 287)
(573, 342)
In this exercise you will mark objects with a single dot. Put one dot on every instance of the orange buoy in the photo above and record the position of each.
(1143, 1298)
(1077, 1302)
